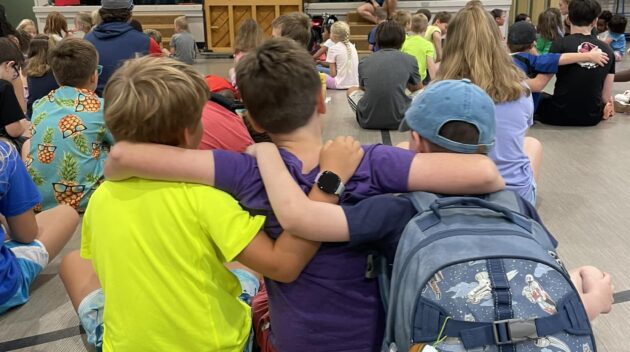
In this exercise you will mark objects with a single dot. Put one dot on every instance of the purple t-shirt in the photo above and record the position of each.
(331, 306)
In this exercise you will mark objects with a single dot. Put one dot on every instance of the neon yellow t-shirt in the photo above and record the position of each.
(158, 249)
(419, 48)
(428, 35)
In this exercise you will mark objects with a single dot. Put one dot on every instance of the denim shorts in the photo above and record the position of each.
(530, 195)
(91, 309)
(32, 258)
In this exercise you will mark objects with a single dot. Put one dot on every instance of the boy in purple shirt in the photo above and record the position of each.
(464, 124)
(331, 306)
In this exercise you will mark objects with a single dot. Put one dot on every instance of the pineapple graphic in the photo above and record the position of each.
(96, 146)
(67, 190)
(94, 180)
(81, 143)
(70, 125)
(87, 101)
(36, 121)
(46, 151)
(38, 180)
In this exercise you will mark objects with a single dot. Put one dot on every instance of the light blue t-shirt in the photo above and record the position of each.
(619, 42)
(513, 119)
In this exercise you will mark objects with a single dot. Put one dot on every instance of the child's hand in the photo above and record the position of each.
(341, 156)
(598, 57)
(258, 150)
(598, 284)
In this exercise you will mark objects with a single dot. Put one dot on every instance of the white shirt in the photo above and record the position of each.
(347, 65)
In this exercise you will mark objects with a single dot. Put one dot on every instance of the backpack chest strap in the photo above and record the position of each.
(570, 318)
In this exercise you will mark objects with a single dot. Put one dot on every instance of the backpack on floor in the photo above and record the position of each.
(473, 274)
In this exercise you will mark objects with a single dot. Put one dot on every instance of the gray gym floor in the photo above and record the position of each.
(584, 200)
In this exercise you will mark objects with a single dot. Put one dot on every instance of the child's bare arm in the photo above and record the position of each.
(437, 41)
(333, 69)
(595, 288)
(431, 66)
(608, 40)
(296, 213)
(538, 83)
(23, 228)
(158, 162)
(597, 57)
(322, 50)
(451, 173)
(607, 88)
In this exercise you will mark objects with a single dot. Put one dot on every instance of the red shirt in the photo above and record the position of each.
(154, 47)
(223, 129)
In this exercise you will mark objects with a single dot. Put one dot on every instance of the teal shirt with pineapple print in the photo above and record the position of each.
(69, 146)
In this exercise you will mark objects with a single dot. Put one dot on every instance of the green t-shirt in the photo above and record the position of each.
(420, 48)
(543, 45)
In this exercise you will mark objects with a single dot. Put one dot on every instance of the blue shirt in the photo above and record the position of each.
(546, 63)
(18, 195)
(384, 217)
(39, 87)
(372, 39)
(619, 42)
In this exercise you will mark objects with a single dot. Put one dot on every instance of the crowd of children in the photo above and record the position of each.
(110, 127)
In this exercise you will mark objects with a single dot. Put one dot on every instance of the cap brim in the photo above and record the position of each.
(404, 127)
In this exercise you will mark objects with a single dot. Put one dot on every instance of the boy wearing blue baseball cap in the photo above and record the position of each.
(450, 116)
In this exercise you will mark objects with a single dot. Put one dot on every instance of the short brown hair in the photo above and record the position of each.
(155, 34)
(73, 61)
(296, 26)
(443, 16)
(153, 99)
(279, 85)
(419, 23)
(456, 131)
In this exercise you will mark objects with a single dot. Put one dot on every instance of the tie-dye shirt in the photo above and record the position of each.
(69, 147)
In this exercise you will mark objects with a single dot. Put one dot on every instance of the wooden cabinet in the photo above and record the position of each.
(223, 18)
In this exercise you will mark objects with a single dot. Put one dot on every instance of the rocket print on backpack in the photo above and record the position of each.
(473, 274)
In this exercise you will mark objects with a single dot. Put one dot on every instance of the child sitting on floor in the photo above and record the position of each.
(381, 16)
(314, 312)
(381, 99)
(13, 124)
(420, 48)
(322, 52)
(157, 37)
(183, 46)
(248, 37)
(67, 152)
(179, 235)
(436, 31)
(30, 242)
(436, 127)
(342, 59)
(616, 35)
(602, 24)
(548, 28)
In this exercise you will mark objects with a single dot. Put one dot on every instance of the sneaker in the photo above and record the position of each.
(624, 97)
(621, 107)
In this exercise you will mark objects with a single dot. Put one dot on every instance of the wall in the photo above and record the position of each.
(17, 10)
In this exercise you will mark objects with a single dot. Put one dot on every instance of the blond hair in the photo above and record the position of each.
(474, 49)
(419, 23)
(340, 31)
(182, 23)
(24, 23)
(96, 18)
(248, 37)
(153, 100)
(37, 64)
(83, 21)
(403, 17)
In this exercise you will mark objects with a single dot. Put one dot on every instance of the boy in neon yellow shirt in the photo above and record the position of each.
(158, 249)
(420, 48)
(435, 32)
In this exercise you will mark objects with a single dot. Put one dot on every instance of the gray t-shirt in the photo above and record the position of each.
(384, 76)
(185, 47)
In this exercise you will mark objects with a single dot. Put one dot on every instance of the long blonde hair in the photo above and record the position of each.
(248, 37)
(474, 49)
(340, 31)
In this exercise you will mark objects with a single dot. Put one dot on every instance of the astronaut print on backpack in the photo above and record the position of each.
(465, 291)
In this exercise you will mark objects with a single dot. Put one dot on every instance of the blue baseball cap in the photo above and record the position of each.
(447, 101)
(117, 4)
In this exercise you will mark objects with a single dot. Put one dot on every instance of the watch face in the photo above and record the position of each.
(329, 182)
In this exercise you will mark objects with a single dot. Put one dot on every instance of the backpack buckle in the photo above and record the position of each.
(511, 331)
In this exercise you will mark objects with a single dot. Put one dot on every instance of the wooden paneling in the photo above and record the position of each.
(223, 18)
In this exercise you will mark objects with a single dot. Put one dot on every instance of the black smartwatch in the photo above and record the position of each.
(330, 183)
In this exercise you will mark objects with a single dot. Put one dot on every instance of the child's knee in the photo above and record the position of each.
(70, 261)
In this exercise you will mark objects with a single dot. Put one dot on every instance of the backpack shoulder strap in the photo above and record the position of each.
(421, 200)
(506, 199)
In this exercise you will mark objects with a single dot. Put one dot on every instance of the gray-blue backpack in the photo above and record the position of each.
(474, 274)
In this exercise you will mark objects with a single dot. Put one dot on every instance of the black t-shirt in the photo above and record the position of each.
(577, 98)
(10, 110)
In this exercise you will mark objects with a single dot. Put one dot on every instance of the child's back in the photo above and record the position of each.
(183, 44)
(67, 150)
(418, 46)
(163, 257)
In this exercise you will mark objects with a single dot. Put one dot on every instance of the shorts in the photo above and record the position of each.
(530, 195)
(91, 309)
(354, 98)
(32, 258)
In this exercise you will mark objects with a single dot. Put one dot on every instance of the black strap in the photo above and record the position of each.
(531, 73)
